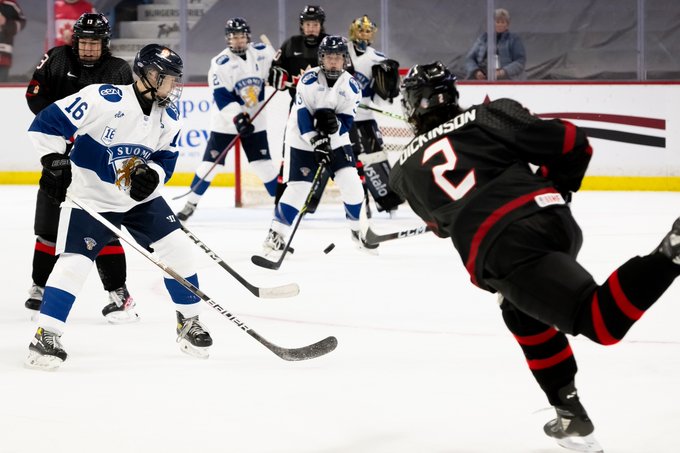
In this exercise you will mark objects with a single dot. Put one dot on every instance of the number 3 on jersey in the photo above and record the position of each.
(455, 192)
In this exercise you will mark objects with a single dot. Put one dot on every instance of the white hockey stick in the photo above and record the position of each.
(311, 351)
(384, 112)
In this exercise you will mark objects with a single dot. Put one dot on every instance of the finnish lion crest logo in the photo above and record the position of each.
(123, 173)
(90, 243)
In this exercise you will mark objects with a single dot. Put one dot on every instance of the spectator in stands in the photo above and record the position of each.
(510, 53)
(66, 13)
(12, 20)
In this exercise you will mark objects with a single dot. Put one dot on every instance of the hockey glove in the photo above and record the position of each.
(326, 122)
(143, 181)
(243, 125)
(56, 175)
(277, 78)
(322, 149)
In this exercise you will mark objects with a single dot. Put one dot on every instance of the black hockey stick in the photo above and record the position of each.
(289, 290)
(306, 352)
(373, 238)
(274, 265)
(225, 150)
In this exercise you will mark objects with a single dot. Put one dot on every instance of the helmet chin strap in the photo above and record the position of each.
(149, 88)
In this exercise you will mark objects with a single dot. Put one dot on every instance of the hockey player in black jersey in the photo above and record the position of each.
(467, 175)
(65, 70)
(297, 54)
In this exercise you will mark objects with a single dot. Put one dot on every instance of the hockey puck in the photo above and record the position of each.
(328, 249)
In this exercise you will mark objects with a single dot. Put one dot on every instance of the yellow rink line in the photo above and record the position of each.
(651, 183)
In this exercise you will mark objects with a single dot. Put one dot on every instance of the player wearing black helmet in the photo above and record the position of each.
(65, 70)
(296, 55)
(467, 173)
(125, 150)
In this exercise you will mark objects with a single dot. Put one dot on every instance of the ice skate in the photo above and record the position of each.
(187, 211)
(360, 241)
(121, 309)
(192, 336)
(572, 428)
(274, 244)
(45, 351)
(670, 246)
(35, 295)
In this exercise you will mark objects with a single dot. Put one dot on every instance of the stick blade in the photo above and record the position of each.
(264, 262)
(371, 237)
(279, 292)
(312, 351)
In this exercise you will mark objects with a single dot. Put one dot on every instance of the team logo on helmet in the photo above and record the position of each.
(90, 243)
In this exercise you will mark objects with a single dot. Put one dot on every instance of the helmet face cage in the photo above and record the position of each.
(366, 27)
(427, 89)
(333, 45)
(153, 63)
(91, 26)
(237, 25)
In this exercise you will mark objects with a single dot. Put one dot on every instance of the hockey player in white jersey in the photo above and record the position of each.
(317, 133)
(379, 80)
(124, 150)
(237, 78)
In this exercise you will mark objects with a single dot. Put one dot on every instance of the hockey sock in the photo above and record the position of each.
(43, 261)
(111, 266)
(546, 350)
(628, 292)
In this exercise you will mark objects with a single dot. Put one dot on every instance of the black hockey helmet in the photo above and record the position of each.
(92, 26)
(153, 63)
(312, 12)
(429, 95)
(332, 44)
(237, 25)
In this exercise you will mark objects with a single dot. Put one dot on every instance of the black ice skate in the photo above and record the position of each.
(572, 429)
(187, 211)
(35, 295)
(360, 240)
(670, 246)
(192, 336)
(45, 351)
(121, 309)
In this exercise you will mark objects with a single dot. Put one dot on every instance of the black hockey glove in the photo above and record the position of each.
(243, 124)
(322, 149)
(56, 175)
(326, 122)
(143, 181)
(277, 78)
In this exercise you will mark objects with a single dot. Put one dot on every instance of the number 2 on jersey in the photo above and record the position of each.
(455, 192)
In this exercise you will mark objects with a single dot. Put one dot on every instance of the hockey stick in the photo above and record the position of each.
(226, 149)
(274, 265)
(373, 238)
(289, 290)
(384, 112)
(312, 351)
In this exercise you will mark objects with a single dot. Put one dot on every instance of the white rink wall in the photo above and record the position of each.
(640, 123)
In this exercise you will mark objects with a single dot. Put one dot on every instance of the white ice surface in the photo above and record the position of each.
(424, 362)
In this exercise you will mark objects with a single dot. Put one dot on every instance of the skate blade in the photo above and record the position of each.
(42, 362)
(122, 317)
(587, 444)
(190, 349)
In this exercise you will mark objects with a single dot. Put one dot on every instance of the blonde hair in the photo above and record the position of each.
(501, 13)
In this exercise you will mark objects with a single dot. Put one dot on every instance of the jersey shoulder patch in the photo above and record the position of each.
(172, 112)
(222, 59)
(354, 85)
(111, 93)
(310, 77)
(259, 45)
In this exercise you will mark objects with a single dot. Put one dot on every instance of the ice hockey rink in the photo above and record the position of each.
(424, 362)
